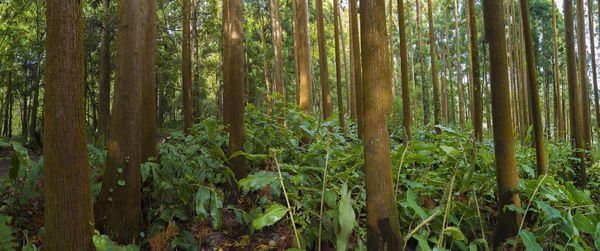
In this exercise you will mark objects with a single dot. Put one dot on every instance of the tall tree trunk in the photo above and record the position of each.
(323, 69)
(477, 111)
(461, 94)
(295, 32)
(148, 77)
(278, 53)
(412, 59)
(265, 66)
(104, 94)
(346, 73)
(557, 97)
(226, 44)
(9, 108)
(425, 90)
(383, 228)
(406, 112)
(118, 207)
(67, 189)
(534, 102)
(595, 81)
(392, 65)
(357, 66)
(583, 77)
(186, 68)
(547, 103)
(434, 77)
(354, 114)
(304, 56)
(235, 97)
(338, 66)
(575, 109)
(596, 100)
(196, 102)
(506, 169)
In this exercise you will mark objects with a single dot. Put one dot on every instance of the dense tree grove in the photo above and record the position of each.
(299, 125)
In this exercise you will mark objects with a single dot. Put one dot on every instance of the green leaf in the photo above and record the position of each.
(423, 245)
(529, 241)
(455, 233)
(270, 217)
(121, 182)
(202, 200)
(256, 183)
(412, 203)
(583, 223)
(597, 236)
(330, 198)
(345, 219)
(15, 166)
(451, 152)
(216, 210)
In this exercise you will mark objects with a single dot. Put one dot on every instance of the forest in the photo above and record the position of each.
(299, 125)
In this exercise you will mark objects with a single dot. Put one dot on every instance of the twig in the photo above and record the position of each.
(287, 200)
(447, 209)
(322, 198)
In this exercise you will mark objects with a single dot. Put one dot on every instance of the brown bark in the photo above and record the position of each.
(583, 77)
(425, 90)
(196, 102)
(477, 111)
(392, 65)
(338, 66)
(67, 189)
(278, 53)
(346, 73)
(534, 102)
(557, 93)
(412, 58)
(235, 97)
(575, 109)
(357, 69)
(304, 56)
(226, 45)
(406, 112)
(383, 229)
(265, 66)
(118, 207)
(354, 113)
(186, 68)
(295, 32)
(506, 169)
(595, 81)
(323, 69)
(148, 77)
(596, 100)
(104, 94)
(433, 57)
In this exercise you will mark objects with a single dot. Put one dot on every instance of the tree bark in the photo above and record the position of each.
(433, 57)
(186, 68)
(278, 55)
(557, 93)
(506, 170)
(346, 73)
(534, 102)
(583, 77)
(235, 97)
(477, 111)
(67, 189)
(425, 90)
(118, 207)
(383, 229)
(148, 77)
(357, 66)
(338, 66)
(406, 112)
(323, 69)
(104, 94)
(295, 32)
(392, 65)
(265, 66)
(595, 81)
(226, 45)
(304, 56)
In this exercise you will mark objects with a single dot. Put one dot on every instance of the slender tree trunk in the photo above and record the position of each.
(557, 97)
(595, 81)
(265, 66)
(575, 109)
(461, 94)
(9, 108)
(196, 102)
(534, 102)
(324, 71)
(338, 66)
(433, 57)
(357, 69)
(186, 71)
(354, 114)
(477, 111)
(392, 65)
(304, 56)
(67, 189)
(596, 100)
(235, 97)
(346, 73)
(425, 90)
(506, 169)
(406, 112)
(148, 142)
(383, 228)
(295, 32)
(412, 59)
(278, 55)
(226, 44)
(104, 94)
(118, 207)
(583, 77)
(547, 104)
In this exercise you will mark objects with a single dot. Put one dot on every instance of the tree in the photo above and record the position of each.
(593, 54)
(265, 66)
(67, 190)
(534, 103)
(477, 111)
(575, 113)
(583, 77)
(277, 48)
(596, 99)
(118, 207)
(383, 229)
(406, 112)
(186, 68)
(338, 66)
(104, 93)
(506, 168)
(557, 99)
(425, 97)
(235, 96)
(324, 72)
(433, 58)
(148, 76)
(304, 56)
(357, 69)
